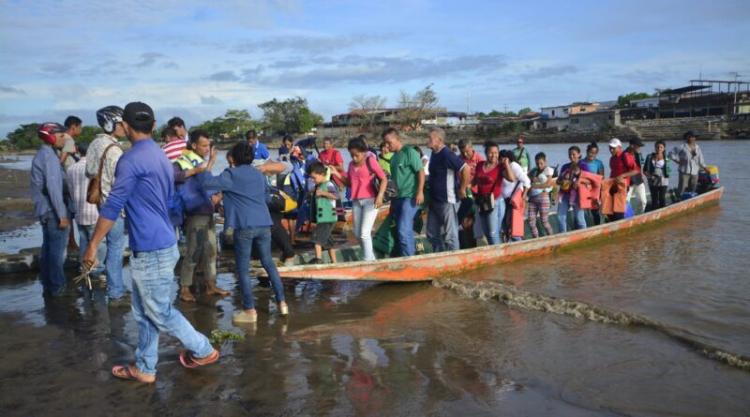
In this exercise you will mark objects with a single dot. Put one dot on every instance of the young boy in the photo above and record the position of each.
(324, 215)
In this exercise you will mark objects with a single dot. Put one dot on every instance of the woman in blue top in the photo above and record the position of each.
(244, 190)
(597, 167)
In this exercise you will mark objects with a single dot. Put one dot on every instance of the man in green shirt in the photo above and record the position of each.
(408, 176)
(521, 154)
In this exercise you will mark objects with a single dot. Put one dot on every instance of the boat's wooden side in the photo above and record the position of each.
(382, 214)
(434, 265)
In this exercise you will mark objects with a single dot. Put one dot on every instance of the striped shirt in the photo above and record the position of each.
(78, 184)
(174, 149)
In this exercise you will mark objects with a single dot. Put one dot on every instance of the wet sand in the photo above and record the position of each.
(410, 350)
(16, 207)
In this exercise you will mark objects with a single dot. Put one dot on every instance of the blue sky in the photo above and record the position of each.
(196, 59)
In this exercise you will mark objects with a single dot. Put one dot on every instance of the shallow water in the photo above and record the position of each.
(363, 349)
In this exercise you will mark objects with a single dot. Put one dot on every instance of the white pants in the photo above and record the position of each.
(638, 194)
(365, 213)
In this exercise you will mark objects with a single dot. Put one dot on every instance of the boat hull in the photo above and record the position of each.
(437, 265)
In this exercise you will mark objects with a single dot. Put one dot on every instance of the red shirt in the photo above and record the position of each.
(490, 181)
(331, 157)
(621, 163)
(174, 149)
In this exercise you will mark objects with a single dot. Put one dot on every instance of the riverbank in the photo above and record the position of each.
(16, 207)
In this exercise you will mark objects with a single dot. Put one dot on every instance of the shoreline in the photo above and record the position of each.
(16, 207)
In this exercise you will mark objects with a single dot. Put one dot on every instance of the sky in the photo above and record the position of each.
(196, 59)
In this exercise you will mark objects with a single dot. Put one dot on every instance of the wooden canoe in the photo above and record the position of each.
(434, 265)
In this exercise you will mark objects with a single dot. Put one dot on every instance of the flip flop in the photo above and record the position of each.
(130, 373)
(188, 360)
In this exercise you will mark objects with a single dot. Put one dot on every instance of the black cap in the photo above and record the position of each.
(689, 134)
(636, 142)
(138, 113)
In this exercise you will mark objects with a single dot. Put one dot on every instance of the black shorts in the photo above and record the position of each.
(321, 235)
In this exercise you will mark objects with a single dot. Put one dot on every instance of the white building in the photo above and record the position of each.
(556, 112)
(645, 103)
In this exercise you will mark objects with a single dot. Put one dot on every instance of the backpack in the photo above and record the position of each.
(390, 190)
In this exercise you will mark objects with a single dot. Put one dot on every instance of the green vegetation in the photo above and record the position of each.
(497, 113)
(624, 101)
(24, 137)
(289, 116)
(219, 336)
(232, 125)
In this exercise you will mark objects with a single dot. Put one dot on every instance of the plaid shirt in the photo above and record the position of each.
(78, 184)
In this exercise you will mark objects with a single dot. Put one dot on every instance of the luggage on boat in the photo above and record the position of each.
(687, 195)
(708, 179)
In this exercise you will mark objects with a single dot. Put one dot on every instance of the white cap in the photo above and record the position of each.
(615, 143)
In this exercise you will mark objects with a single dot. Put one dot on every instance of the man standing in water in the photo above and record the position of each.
(47, 192)
(102, 157)
(146, 169)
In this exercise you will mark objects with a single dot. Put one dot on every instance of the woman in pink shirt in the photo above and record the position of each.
(366, 198)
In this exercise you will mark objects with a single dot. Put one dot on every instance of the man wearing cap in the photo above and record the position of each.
(261, 152)
(48, 193)
(622, 166)
(103, 155)
(146, 169)
(637, 185)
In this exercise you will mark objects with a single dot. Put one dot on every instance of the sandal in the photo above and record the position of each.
(186, 295)
(131, 373)
(188, 360)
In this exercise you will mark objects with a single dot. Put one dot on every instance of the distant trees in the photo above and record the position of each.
(511, 113)
(289, 116)
(415, 108)
(24, 137)
(232, 125)
(624, 100)
(366, 106)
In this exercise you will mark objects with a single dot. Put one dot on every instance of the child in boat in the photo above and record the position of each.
(542, 181)
(324, 211)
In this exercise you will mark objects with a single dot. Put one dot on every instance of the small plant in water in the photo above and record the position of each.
(219, 336)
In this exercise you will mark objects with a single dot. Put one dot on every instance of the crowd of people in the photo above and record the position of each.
(164, 193)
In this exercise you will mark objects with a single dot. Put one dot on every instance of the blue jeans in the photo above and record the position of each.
(442, 226)
(245, 240)
(404, 210)
(153, 295)
(52, 258)
(491, 222)
(85, 233)
(562, 215)
(113, 261)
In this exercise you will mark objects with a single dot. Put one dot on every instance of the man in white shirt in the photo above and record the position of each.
(86, 213)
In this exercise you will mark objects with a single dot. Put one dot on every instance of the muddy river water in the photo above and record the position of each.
(409, 350)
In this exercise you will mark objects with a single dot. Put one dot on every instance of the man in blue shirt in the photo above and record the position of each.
(261, 152)
(144, 183)
(48, 194)
(442, 219)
